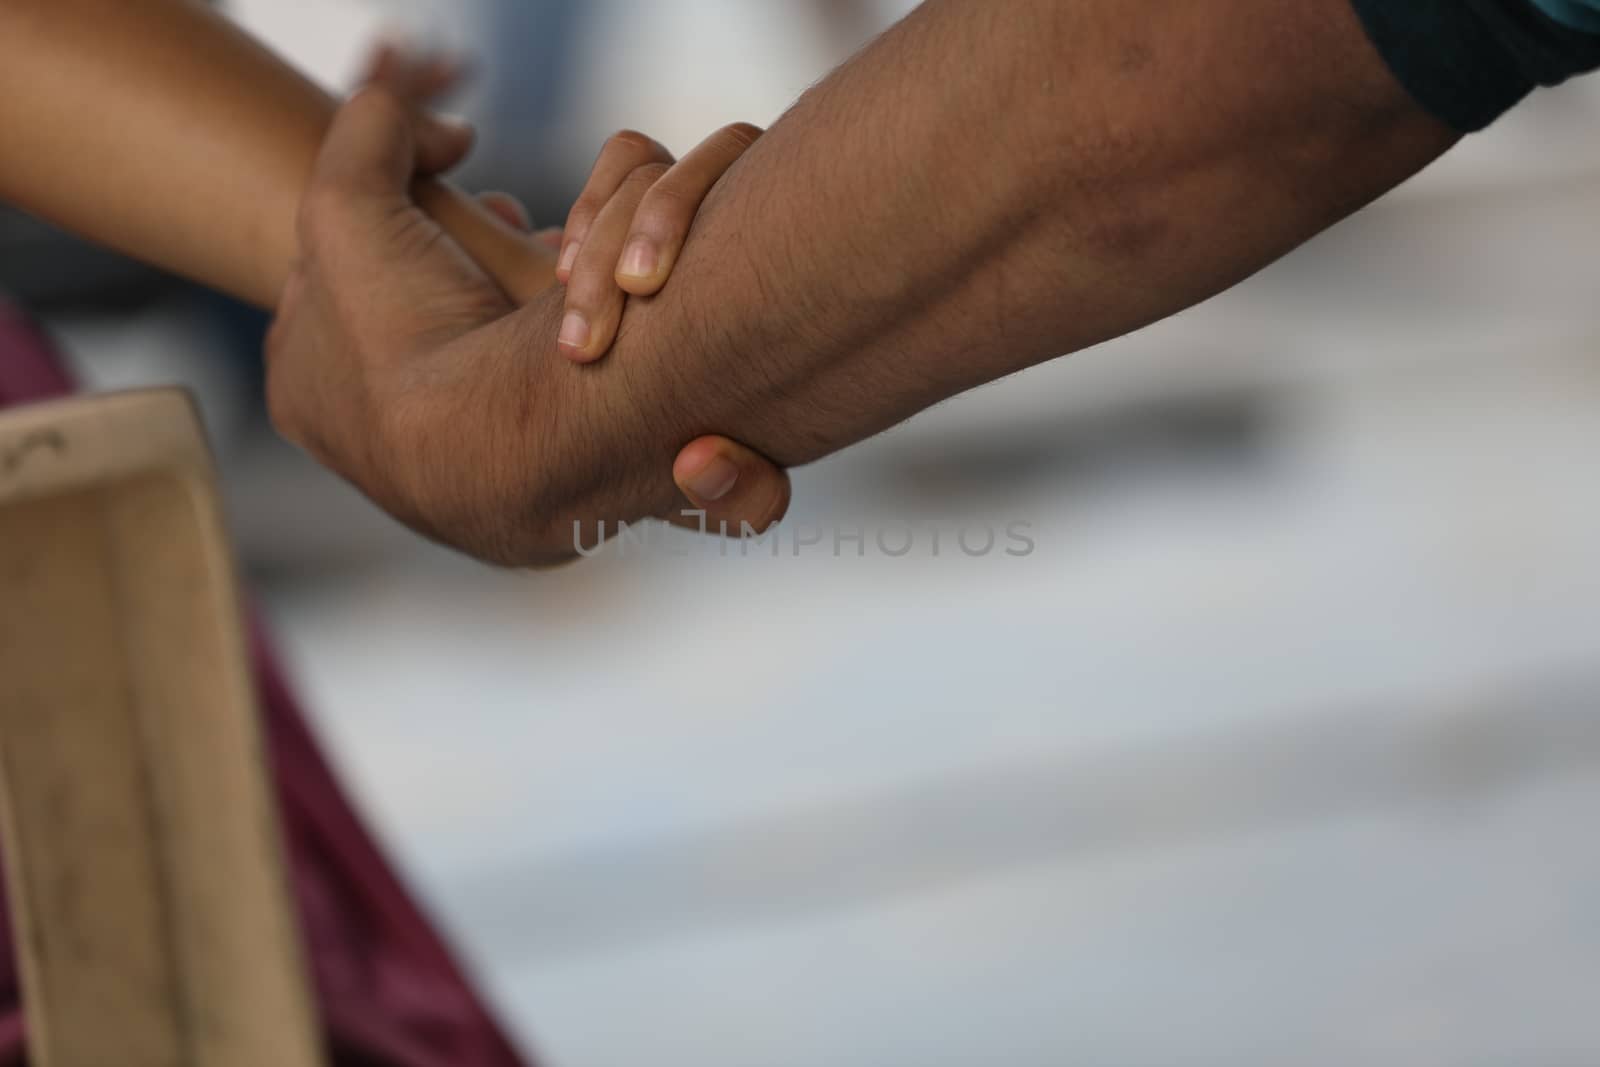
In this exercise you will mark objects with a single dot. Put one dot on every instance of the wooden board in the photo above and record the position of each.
(153, 919)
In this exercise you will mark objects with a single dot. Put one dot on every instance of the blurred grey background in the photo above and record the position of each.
(1283, 747)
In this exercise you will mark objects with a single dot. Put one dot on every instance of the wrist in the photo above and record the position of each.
(597, 440)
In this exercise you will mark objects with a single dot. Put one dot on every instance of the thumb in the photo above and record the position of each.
(442, 141)
(731, 484)
(370, 149)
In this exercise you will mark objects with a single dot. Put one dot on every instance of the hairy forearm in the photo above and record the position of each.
(158, 128)
(995, 184)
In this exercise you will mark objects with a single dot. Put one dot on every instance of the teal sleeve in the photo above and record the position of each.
(1579, 14)
(1468, 61)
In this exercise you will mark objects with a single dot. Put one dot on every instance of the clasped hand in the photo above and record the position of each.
(454, 385)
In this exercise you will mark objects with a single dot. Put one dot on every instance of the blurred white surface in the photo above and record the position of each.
(328, 39)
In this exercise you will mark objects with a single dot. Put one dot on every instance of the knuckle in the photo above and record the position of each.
(644, 177)
(632, 143)
(583, 212)
(670, 199)
(584, 283)
(666, 210)
(591, 285)
(740, 135)
(374, 102)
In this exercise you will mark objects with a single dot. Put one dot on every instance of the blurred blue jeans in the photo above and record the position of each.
(528, 51)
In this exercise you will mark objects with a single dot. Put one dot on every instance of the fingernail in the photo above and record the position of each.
(569, 257)
(574, 330)
(713, 481)
(641, 258)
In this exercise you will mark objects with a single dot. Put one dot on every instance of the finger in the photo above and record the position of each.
(522, 266)
(623, 154)
(594, 303)
(366, 167)
(374, 148)
(415, 80)
(369, 154)
(442, 141)
(380, 65)
(508, 209)
(663, 220)
(734, 486)
(438, 74)
(411, 73)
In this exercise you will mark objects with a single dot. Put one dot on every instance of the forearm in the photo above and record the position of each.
(155, 127)
(158, 128)
(990, 185)
(995, 184)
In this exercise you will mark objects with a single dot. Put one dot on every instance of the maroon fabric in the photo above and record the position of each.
(389, 992)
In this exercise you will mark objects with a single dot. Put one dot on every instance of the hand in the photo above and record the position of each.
(636, 187)
(629, 224)
(638, 193)
(395, 359)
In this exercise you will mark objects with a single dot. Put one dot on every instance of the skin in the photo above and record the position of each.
(632, 170)
(160, 129)
(988, 186)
